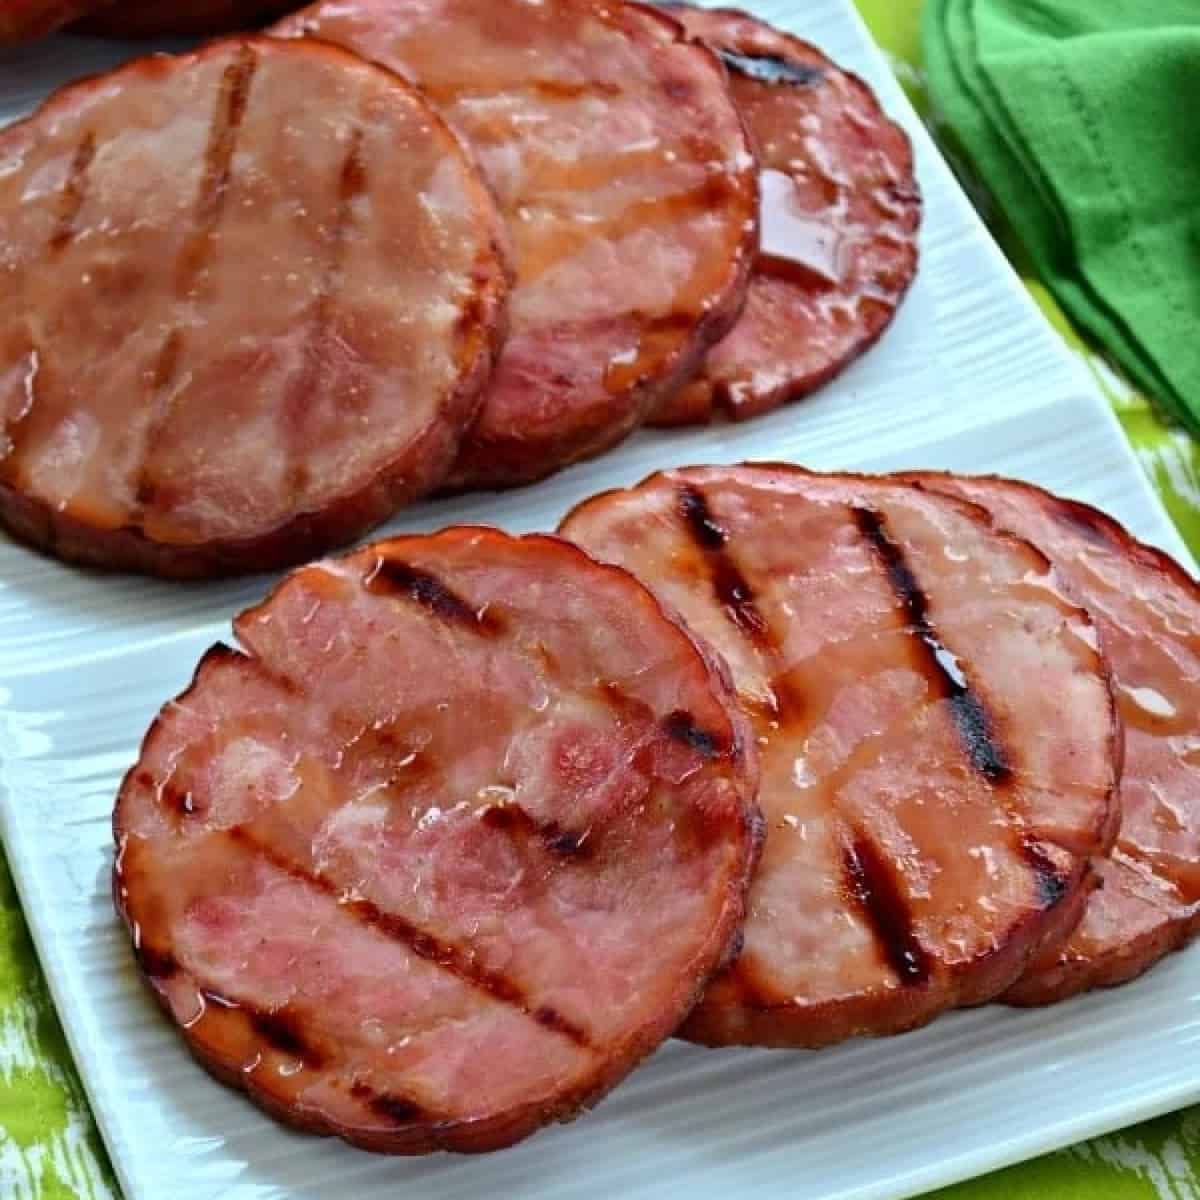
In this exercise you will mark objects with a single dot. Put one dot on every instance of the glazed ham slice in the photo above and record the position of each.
(938, 737)
(840, 214)
(251, 296)
(1147, 610)
(625, 174)
(455, 841)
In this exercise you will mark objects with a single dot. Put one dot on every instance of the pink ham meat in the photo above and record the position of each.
(1147, 610)
(840, 212)
(937, 732)
(251, 296)
(630, 192)
(169, 18)
(454, 843)
(25, 20)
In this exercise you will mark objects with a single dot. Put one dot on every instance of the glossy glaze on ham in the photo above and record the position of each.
(938, 738)
(250, 296)
(839, 220)
(1147, 610)
(455, 841)
(625, 173)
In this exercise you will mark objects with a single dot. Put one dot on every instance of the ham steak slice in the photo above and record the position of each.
(1147, 611)
(839, 221)
(453, 843)
(630, 191)
(250, 297)
(938, 738)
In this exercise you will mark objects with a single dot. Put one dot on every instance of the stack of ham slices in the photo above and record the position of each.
(470, 823)
(245, 318)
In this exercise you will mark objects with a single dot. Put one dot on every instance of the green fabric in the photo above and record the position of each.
(49, 1149)
(1077, 116)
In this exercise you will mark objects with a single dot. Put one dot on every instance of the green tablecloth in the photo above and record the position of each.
(49, 1149)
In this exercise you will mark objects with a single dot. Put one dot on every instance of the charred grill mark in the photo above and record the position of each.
(166, 367)
(228, 115)
(454, 960)
(177, 800)
(308, 380)
(284, 1032)
(732, 590)
(971, 719)
(699, 519)
(156, 964)
(392, 577)
(1051, 885)
(771, 69)
(515, 820)
(681, 727)
(872, 885)
(73, 193)
(398, 1109)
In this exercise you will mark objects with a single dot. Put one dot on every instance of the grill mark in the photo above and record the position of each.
(280, 1028)
(156, 964)
(971, 719)
(454, 960)
(1051, 886)
(732, 590)
(681, 727)
(284, 1032)
(228, 115)
(513, 819)
(166, 367)
(393, 1107)
(74, 193)
(392, 577)
(181, 802)
(872, 885)
(771, 69)
(310, 378)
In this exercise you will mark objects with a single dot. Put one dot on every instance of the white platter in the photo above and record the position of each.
(970, 378)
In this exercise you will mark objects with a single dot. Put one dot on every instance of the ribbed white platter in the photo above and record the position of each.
(970, 378)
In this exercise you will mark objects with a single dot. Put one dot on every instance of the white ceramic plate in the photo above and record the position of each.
(970, 378)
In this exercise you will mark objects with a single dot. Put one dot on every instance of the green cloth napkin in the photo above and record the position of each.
(1080, 117)
(49, 1148)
